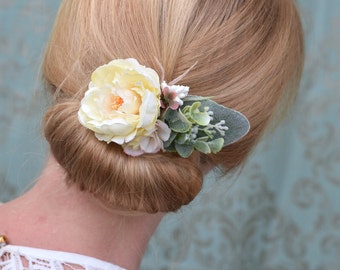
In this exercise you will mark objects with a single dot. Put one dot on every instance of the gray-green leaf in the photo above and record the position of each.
(202, 118)
(202, 147)
(216, 145)
(184, 150)
(177, 121)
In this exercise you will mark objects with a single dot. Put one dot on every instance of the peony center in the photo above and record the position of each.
(116, 102)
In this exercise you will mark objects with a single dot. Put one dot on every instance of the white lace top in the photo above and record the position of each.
(26, 258)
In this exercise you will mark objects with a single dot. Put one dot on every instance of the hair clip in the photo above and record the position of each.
(126, 104)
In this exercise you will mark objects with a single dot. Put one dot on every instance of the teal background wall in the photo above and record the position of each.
(281, 212)
(24, 29)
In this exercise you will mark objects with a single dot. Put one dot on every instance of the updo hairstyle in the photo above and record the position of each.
(249, 57)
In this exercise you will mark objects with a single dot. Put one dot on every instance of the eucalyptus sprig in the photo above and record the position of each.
(203, 125)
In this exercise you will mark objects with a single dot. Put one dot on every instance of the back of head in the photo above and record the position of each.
(249, 57)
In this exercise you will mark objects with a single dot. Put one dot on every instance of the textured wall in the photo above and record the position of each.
(282, 213)
(24, 29)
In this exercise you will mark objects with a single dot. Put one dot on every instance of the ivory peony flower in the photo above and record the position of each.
(122, 105)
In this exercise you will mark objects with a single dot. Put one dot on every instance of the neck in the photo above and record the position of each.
(55, 216)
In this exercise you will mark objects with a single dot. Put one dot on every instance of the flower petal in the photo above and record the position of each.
(163, 130)
(149, 111)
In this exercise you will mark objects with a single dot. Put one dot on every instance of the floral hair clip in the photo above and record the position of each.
(126, 104)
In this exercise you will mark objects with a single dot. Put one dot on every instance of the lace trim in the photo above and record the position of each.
(25, 258)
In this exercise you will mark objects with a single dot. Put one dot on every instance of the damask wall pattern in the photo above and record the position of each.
(281, 212)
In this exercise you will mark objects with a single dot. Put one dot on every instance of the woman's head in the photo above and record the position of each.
(249, 58)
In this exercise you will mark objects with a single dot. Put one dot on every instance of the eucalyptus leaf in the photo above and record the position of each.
(182, 138)
(202, 147)
(177, 121)
(171, 139)
(216, 145)
(237, 123)
(202, 118)
(195, 98)
(170, 148)
(203, 139)
(184, 150)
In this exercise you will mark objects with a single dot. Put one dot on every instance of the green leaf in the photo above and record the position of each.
(182, 138)
(202, 118)
(237, 123)
(216, 145)
(171, 148)
(203, 138)
(177, 121)
(202, 147)
(195, 98)
(170, 140)
(184, 150)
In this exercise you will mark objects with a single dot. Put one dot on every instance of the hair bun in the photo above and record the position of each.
(150, 183)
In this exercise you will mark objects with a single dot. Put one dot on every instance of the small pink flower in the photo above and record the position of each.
(173, 95)
(151, 142)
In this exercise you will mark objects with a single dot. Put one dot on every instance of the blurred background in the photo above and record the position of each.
(281, 212)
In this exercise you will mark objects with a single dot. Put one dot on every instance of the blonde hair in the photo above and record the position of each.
(249, 57)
